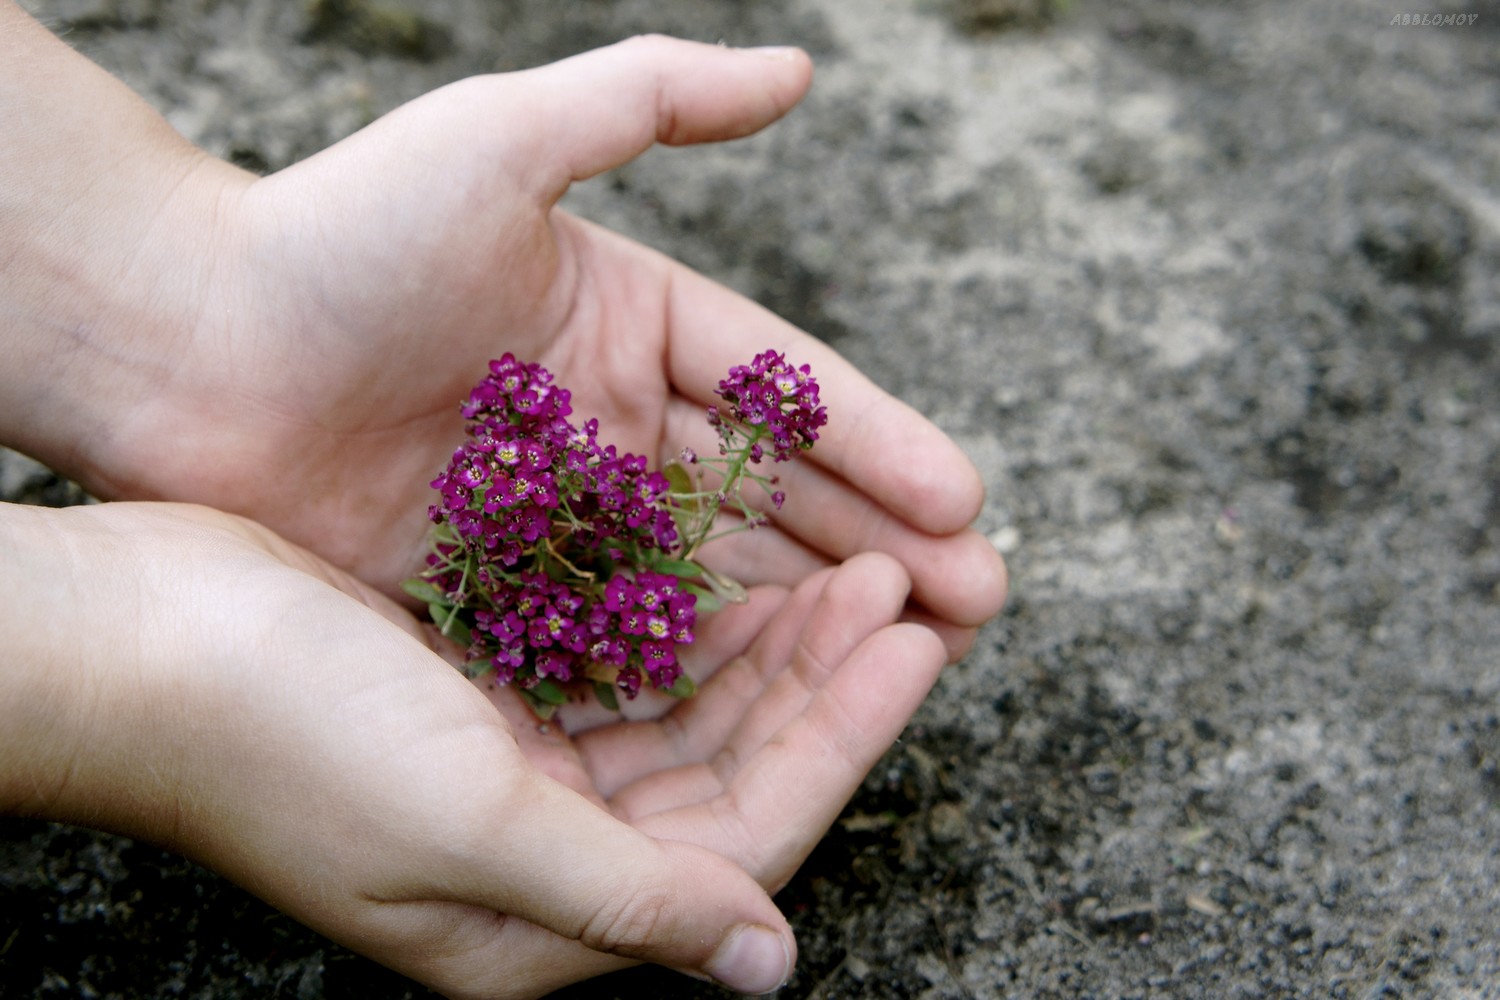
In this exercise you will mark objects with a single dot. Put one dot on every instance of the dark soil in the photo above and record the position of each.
(1209, 293)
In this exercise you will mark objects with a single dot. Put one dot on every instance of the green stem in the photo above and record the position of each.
(463, 586)
(725, 533)
(552, 551)
(734, 471)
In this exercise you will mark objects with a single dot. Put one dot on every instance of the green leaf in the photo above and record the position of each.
(547, 690)
(685, 568)
(727, 590)
(707, 602)
(606, 695)
(539, 708)
(681, 482)
(458, 631)
(688, 512)
(424, 591)
(449, 624)
(686, 521)
(683, 688)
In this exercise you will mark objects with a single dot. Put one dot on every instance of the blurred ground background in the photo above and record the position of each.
(1209, 291)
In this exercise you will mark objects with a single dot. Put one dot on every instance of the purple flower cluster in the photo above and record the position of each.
(563, 561)
(772, 397)
(538, 515)
(523, 462)
(654, 611)
(560, 633)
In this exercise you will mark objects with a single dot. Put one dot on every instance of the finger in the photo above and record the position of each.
(895, 484)
(957, 576)
(770, 685)
(823, 753)
(720, 637)
(872, 440)
(770, 556)
(956, 639)
(603, 108)
(569, 867)
(862, 596)
(701, 727)
(465, 951)
(765, 556)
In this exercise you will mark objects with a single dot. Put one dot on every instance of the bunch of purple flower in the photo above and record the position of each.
(773, 398)
(560, 560)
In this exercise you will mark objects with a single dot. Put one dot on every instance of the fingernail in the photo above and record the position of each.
(752, 959)
(786, 53)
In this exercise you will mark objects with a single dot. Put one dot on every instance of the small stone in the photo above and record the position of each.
(948, 822)
(1005, 540)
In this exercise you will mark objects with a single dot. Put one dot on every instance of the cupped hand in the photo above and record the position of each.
(202, 683)
(343, 307)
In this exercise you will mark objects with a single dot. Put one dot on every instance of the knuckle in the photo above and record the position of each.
(649, 42)
(632, 925)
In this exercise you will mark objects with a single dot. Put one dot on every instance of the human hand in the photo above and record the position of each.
(326, 320)
(189, 678)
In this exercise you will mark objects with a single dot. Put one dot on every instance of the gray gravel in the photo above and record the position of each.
(1209, 293)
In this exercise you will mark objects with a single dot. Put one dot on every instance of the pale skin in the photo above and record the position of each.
(273, 718)
(292, 349)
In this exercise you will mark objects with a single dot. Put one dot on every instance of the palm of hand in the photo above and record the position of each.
(453, 827)
(359, 395)
(355, 298)
(816, 685)
(383, 302)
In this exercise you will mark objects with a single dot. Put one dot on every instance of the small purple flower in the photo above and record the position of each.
(661, 663)
(553, 663)
(613, 651)
(658, 626)
(629, 681)
(633, 622)
(619, 594)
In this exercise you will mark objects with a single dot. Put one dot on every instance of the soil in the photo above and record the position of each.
(1208, 291)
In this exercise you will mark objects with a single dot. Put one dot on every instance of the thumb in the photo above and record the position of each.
(559, 861)
(603, 108)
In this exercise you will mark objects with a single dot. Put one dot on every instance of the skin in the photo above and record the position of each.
(302, 361)
(268, 715)
(291, 349)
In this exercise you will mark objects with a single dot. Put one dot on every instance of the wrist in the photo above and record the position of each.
(37, 714)
(109, 225)
(85, 705)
